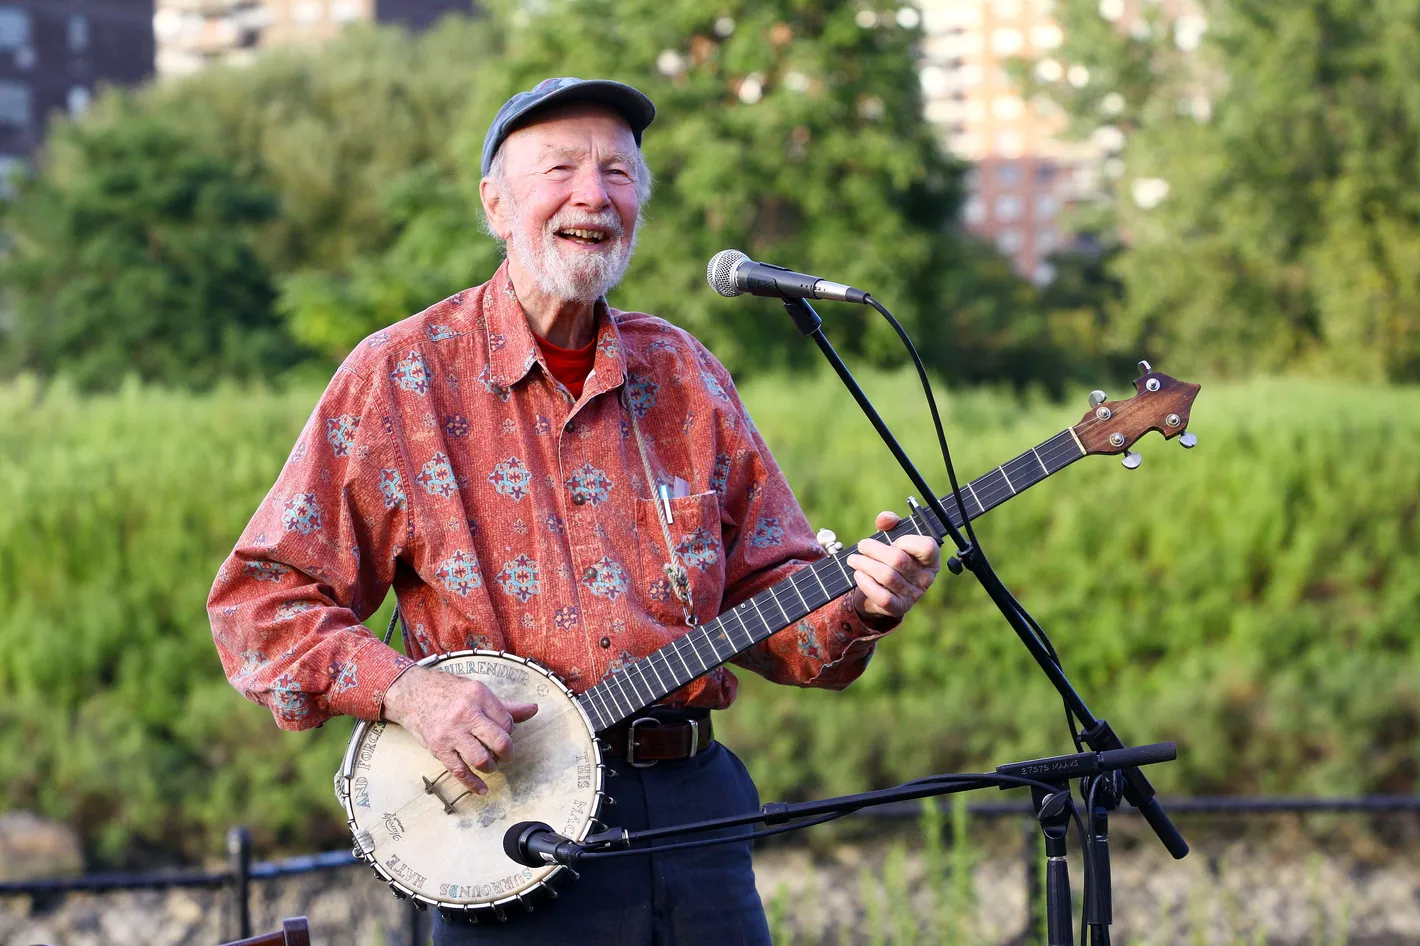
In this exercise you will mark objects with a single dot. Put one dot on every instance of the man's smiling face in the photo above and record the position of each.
(566, 198)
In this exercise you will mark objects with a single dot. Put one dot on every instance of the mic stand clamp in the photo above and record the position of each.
(806, 320)
(1053, 810)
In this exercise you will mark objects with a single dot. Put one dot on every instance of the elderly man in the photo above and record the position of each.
(530, 468)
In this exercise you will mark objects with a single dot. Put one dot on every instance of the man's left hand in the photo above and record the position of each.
(891, 578)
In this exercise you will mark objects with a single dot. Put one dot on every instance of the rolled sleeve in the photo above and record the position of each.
(316, 560)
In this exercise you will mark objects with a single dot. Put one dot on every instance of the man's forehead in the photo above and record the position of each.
(574, 127)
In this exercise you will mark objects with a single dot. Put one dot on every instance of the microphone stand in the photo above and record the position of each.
(1097, 733)
(535, 844)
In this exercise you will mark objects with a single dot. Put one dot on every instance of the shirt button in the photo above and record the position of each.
(590, 574)
(571, 426)
(579, 499)
(847, 628)
(605, 642)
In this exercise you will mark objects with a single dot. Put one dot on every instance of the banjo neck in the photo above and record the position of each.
(632, 688)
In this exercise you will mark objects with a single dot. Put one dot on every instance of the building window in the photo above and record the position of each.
(1045, 206)
(1008, 144)
(79, 99)
(15, 105)
(968, 144)
(14, 28)
(1008, 174)
(307, 12)
(1007, 107)
(1006, 42)
(1008, 208)
(344, 11)
(1046, 35)
(78, 33)
(12, 168)
(1006, 9)
(1008, 242)
(974, 211)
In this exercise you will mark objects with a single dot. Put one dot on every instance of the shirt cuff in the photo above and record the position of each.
(377, 665)
(856, 624)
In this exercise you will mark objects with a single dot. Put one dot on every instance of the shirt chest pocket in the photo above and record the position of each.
(694, 529)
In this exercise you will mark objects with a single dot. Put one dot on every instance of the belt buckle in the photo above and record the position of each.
(631, 741)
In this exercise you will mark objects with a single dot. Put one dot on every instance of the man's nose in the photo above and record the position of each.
(589, 188)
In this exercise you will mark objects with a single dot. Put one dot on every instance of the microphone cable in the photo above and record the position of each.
(1036, 629)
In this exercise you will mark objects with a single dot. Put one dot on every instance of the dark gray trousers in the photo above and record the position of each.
(680, 898)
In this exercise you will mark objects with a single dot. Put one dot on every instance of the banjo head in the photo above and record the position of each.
(429, 837)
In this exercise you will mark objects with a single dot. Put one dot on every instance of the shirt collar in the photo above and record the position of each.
(513, 350)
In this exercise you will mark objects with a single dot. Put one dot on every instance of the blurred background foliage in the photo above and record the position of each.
(1253, 599)
(189, 261)
(351, 188)
(1265, 210)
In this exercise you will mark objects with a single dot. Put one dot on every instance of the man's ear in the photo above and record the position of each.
(492, 199)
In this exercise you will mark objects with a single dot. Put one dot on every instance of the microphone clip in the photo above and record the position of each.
(806, 320)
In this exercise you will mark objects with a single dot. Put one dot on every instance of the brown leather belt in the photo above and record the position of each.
(660, 736)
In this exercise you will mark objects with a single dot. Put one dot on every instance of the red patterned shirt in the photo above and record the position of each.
(445, 461)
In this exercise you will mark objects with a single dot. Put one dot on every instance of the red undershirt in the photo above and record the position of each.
(569, 365)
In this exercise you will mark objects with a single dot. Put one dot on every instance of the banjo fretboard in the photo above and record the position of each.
(628, 690)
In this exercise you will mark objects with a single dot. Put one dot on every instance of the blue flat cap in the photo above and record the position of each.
(630, 103)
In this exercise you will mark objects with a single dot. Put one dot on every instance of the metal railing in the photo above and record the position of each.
(241, 870)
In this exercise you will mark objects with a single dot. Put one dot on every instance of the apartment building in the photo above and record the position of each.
(1025, 174)
(53, 53)
(194, 33)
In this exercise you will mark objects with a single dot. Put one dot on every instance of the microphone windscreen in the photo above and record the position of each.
(720, 272)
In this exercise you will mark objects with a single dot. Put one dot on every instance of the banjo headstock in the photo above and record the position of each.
(1160, 403)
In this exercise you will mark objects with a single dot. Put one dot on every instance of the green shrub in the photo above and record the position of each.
(1252, 599)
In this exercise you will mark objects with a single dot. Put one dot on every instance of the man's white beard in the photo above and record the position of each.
(567, 274)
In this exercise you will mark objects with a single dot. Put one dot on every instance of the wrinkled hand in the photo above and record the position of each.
(891, 578)
(460, 721)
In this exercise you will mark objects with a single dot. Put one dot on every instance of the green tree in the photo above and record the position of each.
(1286, 147)
(792, 132)
(134, 253)
(785, 130)
(357, 139)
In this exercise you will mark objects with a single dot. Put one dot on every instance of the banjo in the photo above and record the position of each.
(432, 840)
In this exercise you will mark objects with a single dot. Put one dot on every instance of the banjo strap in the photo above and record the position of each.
(396, 618)
(676, 574)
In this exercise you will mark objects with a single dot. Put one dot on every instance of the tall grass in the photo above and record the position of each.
(1253, 599)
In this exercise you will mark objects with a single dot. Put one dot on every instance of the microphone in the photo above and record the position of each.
(534, 844)
(731, 272)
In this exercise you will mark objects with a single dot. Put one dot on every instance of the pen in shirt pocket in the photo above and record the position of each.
(678, 489)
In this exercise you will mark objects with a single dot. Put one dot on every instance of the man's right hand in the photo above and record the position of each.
(462, 722)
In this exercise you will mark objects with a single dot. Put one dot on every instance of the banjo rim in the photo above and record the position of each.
(345, 775)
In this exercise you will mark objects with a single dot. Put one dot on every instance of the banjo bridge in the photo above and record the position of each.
(432, 788)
